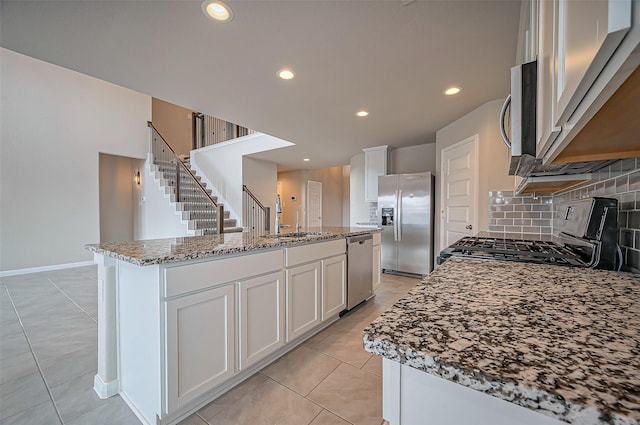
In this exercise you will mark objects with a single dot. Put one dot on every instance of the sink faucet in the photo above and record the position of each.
(297, 221)
(278, 212)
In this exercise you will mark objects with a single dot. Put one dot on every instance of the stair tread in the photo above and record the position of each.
(232, 229)
(194, 205)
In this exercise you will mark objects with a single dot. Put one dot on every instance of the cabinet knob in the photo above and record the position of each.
(468, 227)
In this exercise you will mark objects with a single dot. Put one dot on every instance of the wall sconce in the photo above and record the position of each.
(136, 177)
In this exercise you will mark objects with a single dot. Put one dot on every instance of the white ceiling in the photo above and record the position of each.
(392, 60)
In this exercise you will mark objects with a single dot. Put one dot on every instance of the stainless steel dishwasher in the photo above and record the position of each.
(359, 269)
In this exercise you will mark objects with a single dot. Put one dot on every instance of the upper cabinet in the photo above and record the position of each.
(587, 35)
(586, 51)
(375, 164)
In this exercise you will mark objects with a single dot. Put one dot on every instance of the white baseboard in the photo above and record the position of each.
(45, 268)
(105, 390)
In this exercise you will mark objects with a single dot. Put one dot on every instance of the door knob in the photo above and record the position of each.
(468, 227)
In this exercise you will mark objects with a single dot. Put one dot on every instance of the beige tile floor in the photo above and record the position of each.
(48, 357)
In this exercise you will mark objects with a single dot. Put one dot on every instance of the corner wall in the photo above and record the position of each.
(220, 166)
(119, 195)
(54, 123)
(493, 159)
(174, 123)
(261, 178)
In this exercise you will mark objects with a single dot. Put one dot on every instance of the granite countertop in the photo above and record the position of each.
(563, 341)
(169, 250)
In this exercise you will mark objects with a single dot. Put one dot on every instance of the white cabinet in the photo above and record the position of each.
(587, 35)
(200, 325)
(377, 268)
(334, 286)
(261, 303)
(586, 50)
(546, 130)
(200, 332)
(303, 299)
(375, 164)
(316, 285)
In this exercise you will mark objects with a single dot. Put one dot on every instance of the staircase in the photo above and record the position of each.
(194, 205)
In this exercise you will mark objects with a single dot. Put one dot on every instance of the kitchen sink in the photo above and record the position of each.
(296, 235)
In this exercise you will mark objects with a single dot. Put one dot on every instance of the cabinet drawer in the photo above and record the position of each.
(183, 279)
(313, 252)
(377, 237)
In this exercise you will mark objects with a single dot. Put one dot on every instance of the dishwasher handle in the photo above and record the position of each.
(359, 238)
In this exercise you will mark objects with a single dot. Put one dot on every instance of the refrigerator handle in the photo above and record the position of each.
(395, 220)
(399, 220)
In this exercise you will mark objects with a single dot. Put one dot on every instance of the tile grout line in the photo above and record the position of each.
(72, 300)
(35, 359)
(308, 399)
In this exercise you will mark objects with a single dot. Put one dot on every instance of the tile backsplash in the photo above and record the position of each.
(373, 212)
(620, 180)
(524, 214)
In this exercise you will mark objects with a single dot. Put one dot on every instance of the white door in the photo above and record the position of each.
(459, 191)
(314, 204)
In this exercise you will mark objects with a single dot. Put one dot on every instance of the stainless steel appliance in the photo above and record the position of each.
(586, 237)
(518, 129)
(359, 269)
(405, 213)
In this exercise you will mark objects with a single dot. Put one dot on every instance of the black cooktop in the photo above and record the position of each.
(534, 251)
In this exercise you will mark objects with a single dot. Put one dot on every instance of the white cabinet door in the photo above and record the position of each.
(262, 317)
(200, 341)
(375, 164)
(334, 286)
(587, 34)
(377, 268)
(303, 299)
(546, 131)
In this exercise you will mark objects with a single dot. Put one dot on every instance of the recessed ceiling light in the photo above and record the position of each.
(286, 74)
(217, 10)
(306, 159)
(362, 113)
(452, 90)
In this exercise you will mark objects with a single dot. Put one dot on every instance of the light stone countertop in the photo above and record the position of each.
(169, 250)
(563, 341)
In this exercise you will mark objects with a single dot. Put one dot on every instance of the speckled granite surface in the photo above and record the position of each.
(169, 250)
(563, 341)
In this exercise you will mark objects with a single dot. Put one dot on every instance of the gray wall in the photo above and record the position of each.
(54, 124)
(413, 159)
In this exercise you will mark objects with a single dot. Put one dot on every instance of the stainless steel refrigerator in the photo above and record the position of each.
(405, 213)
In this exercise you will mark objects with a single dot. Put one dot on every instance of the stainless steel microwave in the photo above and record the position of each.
(518, 118)
(518, 129)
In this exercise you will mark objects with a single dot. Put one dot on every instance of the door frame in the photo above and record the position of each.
(476, 184)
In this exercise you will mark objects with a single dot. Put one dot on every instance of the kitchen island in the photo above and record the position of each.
(493, 342)
(183, 320)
